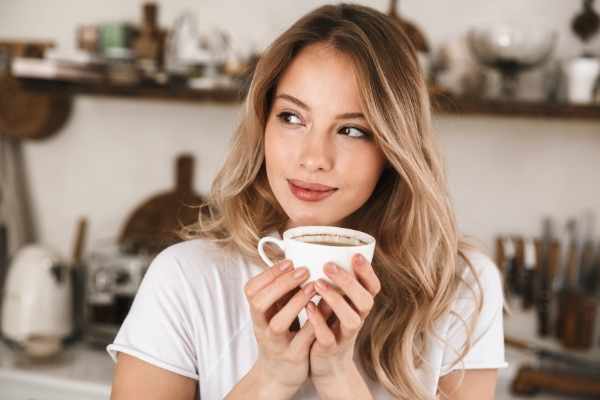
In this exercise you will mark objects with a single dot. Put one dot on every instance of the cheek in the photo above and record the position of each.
(276, 152)
(279, 151)
(364, 168)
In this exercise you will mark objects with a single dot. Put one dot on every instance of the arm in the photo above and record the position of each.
(136, 379)
(256, 385)
(475, 384)
(349, 385)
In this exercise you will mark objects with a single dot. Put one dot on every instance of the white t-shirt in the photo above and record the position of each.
(190, 316)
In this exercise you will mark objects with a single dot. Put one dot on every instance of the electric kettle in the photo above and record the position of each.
(37, 309)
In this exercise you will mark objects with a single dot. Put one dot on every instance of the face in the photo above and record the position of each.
(316, 137)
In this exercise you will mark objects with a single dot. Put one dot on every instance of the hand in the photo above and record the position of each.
(332, 353)
(275, 301)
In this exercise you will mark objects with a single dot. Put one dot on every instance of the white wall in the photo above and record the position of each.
(505, 174)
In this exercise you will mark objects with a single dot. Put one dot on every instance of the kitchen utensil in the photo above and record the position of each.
(78, 279)
(549, 257)
(415, 34)
(3, 259)
(530, 380)
(586, 24)
(542, 354)
(27, 115)
(529, 274)
(16, 201)
(38, 298)
(511, 50)
(510, 269)
(151, 226)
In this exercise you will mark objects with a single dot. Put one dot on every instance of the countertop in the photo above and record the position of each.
(78, 364)
(92, 368)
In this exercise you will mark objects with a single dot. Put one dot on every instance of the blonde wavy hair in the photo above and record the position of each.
(409, 211)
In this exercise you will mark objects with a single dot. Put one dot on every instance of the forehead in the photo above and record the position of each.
(323, 78)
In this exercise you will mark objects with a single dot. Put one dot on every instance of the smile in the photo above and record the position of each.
(310, 195)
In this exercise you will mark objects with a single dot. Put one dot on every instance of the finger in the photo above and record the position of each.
(263, 279)
(326, 311)
(366, 274)
(281, 322)
(279, 304)
(350, 321)
(303, 339)
(323, 334)
(357, 294)
(266, 298)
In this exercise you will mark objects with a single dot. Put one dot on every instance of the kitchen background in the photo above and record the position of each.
(507, 171)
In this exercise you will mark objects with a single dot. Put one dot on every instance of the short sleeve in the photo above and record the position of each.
(158, 328)
(487, 331)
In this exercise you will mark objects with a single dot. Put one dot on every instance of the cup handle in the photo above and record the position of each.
(279, 243)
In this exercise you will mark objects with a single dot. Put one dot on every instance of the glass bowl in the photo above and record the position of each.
(511, 50)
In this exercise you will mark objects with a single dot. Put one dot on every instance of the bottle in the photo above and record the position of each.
(149, 45)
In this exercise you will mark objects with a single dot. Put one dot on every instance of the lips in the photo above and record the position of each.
(302, 193)
(316, 187)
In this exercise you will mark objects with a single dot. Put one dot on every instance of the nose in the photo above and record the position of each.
(317, 152)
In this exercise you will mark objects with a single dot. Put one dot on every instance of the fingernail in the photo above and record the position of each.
(299, 273)
(321, 284)
(359, 259)
(309, 289)
(285, 266)
(331, 268)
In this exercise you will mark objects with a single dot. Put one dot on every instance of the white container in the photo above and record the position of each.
(581, 74)
(38, 297)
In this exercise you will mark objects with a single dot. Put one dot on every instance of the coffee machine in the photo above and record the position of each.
(111, 282)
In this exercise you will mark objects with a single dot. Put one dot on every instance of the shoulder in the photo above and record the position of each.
(482, 275)
(199, 259)
(480, 292)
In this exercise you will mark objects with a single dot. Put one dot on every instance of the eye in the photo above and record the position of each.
(357, 132)
(286, 117)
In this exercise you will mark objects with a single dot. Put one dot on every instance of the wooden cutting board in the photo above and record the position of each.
(151, 226)
(28, 115)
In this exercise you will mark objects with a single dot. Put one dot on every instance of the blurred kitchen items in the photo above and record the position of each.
(414, 33)
(115, 271)
(15, 202)
(149, 45)
(454, 69)
(112, 280)
(182, 48)
(37, 306)
(23, 114)
(562, 381)
(511, 50)
(586, 24)
(564, 296)
(582, 74)
(78, 280)
(151, 226)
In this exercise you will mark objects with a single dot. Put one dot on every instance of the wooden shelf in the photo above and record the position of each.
(150, 92)
(444, 104)
(527, 109)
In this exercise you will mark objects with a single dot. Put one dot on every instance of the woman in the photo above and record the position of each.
(338, 104)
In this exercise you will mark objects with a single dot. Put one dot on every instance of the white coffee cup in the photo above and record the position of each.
(314, 256)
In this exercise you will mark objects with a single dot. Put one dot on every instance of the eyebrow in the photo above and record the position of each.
(299, 103)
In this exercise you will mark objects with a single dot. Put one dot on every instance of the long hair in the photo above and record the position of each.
(418, 252)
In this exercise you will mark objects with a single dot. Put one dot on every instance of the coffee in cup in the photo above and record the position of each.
(313, 246)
